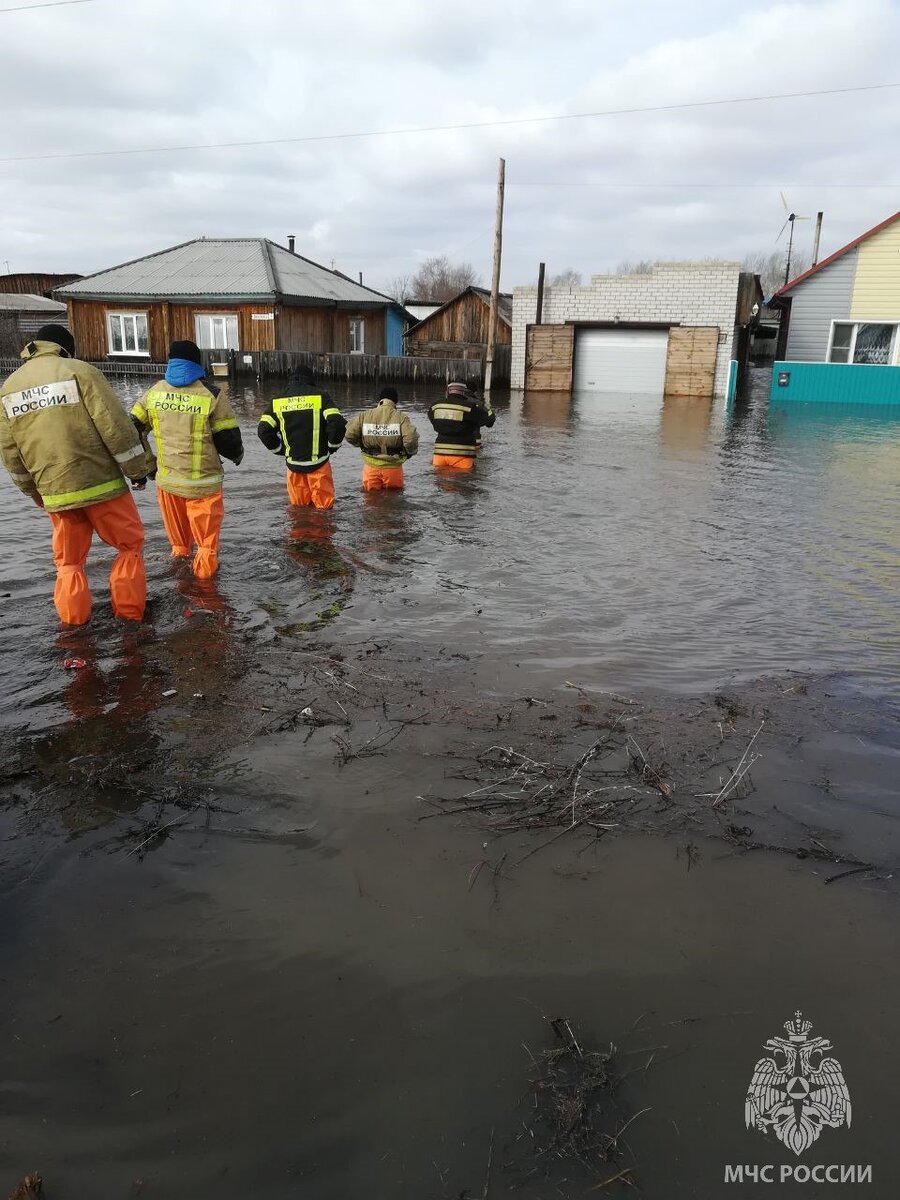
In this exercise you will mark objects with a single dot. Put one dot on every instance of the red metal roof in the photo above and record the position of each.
(837, 254)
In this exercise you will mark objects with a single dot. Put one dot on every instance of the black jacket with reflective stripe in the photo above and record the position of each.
(457, 421)
(305, 429)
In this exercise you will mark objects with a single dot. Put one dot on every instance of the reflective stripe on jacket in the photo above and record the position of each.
(386, 436)
(64, 434)
(304, 429)
(457, 421)
(184, 420)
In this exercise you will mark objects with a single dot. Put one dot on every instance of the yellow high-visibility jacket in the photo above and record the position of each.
(192, 424)
(64, 434)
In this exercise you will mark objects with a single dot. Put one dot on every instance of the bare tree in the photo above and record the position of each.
(771, 267)
(400, 288)
(643, 266)
(438, 279)
(567, 278)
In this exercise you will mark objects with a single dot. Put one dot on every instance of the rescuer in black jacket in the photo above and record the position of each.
(305, 426)
(458, 420)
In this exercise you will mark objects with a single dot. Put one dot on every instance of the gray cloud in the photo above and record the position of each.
(582, 193)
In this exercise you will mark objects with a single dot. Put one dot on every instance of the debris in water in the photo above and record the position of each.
(171, 692)
(74, 664)
(30, 1188)
(574, 1116)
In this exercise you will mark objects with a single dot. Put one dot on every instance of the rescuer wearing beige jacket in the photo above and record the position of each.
(66, 441)
(387, 438)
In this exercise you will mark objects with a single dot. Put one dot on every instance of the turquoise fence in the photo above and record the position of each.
(835, 383)
(731, 388)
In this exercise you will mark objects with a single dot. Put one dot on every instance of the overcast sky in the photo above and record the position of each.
(125, 74)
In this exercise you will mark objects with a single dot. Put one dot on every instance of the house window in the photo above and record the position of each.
(357, 336)
(871, 343)
(214, 332)
(127, 333)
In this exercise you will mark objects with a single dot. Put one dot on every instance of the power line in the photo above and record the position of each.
(373, 133)
(47, 4)
(603, 183)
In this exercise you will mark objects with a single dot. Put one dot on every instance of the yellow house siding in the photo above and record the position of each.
(876, 293)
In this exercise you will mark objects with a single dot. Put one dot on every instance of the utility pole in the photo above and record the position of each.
(817, 238)
(495, 278)
(539, 310)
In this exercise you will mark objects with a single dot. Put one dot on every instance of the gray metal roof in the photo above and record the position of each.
(28, 302)
(233, 268)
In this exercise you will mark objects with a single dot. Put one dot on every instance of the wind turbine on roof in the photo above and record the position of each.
(789, 220)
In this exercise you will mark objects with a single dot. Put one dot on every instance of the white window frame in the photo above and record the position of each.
(122, 317)
(218, 316)
(895, 343)
(360, 322)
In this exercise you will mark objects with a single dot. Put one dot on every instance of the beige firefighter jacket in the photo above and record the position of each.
(184, 419)
(64, 435)
(386, 436)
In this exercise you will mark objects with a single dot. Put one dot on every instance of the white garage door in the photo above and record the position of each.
(628, 361)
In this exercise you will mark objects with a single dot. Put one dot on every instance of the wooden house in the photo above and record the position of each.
(459, 328)
(245, 295)
(33, 283)
(840, 324)
(22, 315)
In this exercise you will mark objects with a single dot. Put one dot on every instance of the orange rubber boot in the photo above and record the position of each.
(205, 515)
(311, 487)
(376, 479)
(175, 522)
(453, 462)
(72, 535)
(119, 524)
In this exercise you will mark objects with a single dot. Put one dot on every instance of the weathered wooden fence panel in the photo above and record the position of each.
(372, 369)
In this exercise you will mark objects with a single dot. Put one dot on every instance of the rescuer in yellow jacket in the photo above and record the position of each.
(66, 440)
(305, 427)
(387, 438)
(192, 424)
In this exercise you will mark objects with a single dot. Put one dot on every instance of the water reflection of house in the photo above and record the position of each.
(684, 423)
(230, 294)
(839, 338)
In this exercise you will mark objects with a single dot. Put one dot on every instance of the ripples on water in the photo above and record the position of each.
(618, 542)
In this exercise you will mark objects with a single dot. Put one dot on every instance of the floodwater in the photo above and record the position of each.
(306, 994)
(653, 546)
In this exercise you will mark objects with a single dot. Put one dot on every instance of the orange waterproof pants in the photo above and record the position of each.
(311, 487)
(377, 479)
(198, 520)
(453, 462)
(118, 523)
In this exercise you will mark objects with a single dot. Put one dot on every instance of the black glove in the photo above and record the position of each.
(139, 484)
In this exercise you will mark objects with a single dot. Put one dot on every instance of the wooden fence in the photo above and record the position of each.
(372, 369)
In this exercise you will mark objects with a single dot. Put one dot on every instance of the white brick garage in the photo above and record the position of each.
(676, 294)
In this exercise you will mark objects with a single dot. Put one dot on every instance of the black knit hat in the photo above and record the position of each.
(389, 393)
(302, 377)
(58, 334)
(188, 350)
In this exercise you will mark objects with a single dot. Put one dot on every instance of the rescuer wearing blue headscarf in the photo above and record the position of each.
(193, 425)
